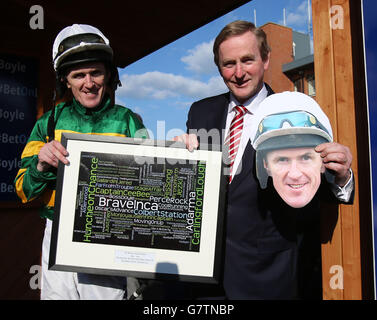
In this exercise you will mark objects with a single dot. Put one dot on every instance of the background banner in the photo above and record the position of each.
(18, 100)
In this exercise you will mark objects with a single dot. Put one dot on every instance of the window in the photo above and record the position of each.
(298, 85)
(311, 85)
(293, 50)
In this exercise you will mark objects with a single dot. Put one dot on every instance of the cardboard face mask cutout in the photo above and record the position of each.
(289, 126)
(296, 174)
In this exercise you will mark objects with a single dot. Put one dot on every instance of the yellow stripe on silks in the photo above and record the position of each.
(110, 134)
(58, 134)
(32, 149)
(18, 186)
(48, 197)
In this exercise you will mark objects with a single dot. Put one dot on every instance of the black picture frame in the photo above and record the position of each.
(125, 247)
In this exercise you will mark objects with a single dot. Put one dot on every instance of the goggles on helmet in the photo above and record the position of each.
(300, 119)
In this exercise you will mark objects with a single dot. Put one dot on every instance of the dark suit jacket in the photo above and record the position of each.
(262, 234)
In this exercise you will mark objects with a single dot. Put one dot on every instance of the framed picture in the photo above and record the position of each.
(138, 207)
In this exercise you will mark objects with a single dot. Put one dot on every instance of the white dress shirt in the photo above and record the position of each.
(252, 106)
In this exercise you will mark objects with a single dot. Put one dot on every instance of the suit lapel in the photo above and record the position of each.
(217, 118)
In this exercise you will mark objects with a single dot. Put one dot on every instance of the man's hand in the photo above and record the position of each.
(338, 158)
(50, 155)
(190, 140)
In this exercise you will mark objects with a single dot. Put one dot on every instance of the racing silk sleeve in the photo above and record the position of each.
(29, 182)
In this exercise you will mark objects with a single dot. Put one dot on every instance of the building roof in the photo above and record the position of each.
(299, 63)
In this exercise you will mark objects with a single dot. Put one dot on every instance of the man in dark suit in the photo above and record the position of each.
(263, 236)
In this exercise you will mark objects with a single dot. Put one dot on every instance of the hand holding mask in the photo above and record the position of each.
(289, 127)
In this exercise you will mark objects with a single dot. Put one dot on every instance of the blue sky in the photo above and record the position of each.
(162, 86)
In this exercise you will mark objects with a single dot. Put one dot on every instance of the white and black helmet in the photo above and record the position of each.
(287, 120)
(80, 43)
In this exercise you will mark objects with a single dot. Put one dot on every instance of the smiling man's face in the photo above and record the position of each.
(88, 83)
(296, 174)
(241, 65)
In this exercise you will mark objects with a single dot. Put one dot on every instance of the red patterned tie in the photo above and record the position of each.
(234, 136)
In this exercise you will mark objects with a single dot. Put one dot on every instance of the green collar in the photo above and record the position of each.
(90, 111)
